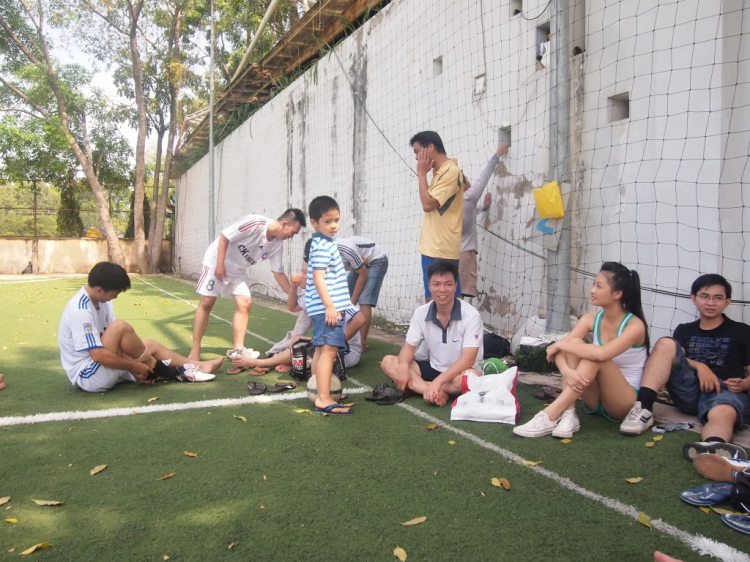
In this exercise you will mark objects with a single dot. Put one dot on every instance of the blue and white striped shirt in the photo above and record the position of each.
(324, 255)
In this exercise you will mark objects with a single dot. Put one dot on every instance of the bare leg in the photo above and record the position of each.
(240, 319)
(202, 314)
(366, 311)
(609, 388)
(659, 364)
(721, 420)
(325, 355)
(2, 382)
(161, 353)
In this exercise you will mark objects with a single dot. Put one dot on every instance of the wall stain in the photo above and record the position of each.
(358, 75)
(496, 304)
(334, 127)
(302, 111)
(289, 118)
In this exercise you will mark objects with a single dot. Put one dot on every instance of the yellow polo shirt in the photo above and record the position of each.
(440, 236)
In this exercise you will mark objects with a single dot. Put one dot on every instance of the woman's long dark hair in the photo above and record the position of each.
(627, 280)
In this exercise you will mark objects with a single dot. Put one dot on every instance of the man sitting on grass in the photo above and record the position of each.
(452, 332)
(704, 367)
(97, 351)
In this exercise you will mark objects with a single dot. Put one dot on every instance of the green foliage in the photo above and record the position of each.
(130, 231)
(69, 221)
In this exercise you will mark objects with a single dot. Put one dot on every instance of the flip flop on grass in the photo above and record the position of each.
(256, 388)
(235, 370)
(332, 409)
(282, 386)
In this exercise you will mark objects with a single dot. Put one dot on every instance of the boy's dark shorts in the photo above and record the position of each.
(428, 373)
(684, 389)
(323, 334)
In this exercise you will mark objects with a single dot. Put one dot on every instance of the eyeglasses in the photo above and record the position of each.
(718, 299)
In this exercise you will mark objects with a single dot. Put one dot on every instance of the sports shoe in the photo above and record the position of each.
(637, 421)
(718, 468)
(243, 352)
(193, 374)
(728, 450)
(567, 425)
(740, 523)
(537, 426)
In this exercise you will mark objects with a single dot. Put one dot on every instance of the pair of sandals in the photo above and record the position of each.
(385, 395)
(256, 388)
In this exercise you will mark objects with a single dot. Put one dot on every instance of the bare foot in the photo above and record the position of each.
(323, 404)
(210, 366)
(442, 399)
(283, 368)
(661, 557)
(365, 347)
(259, 371)
(2, 382)
(194, 357)
(245, 362)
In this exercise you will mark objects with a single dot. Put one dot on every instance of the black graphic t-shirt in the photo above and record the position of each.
(725, 349)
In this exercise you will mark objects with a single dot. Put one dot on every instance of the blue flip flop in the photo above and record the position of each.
(740, 523)
(332, 410)
(709, 494)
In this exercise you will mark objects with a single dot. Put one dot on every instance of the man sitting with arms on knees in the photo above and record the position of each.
(98, 351)
(704, 367)
(452, 332)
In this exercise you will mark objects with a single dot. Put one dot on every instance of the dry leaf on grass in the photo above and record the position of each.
(565, 441)
(399, 553)
(530, 463)
(4, 500)
(36, 547)
(451, 442)
(726, 511)
(301, 411)
(265, 478)
(657, 438)
(262, 506)
(11, 520)
(189, 454)
(705, 509)
(350, 404)
(501, 483)
(432, 426)
(46, 502)
(416, 521)
(154, 399)
(644, 520)
(166, 476)
(241, 418)
(97, 469)
(634, 479)
(165, 558)
(650, 444)
(231, 545)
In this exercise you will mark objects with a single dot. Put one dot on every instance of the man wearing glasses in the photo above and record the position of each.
(704, 367)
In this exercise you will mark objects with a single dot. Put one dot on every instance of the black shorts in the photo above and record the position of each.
(426, 370)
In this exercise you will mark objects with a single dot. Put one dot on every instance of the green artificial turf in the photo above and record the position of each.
(334, 487)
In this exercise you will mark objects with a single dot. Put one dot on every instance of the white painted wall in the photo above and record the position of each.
(663, 191)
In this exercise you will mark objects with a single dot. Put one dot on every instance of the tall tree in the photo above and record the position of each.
(36, 85)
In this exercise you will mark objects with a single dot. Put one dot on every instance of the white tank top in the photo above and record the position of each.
(632, 360)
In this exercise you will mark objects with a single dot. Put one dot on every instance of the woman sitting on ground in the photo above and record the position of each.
(607, 373)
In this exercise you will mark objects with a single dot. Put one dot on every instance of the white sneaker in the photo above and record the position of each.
(537, 426)
(243, 352)
(193, 374)
(637, 421)
(567, 425)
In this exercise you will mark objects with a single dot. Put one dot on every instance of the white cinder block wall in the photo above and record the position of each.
(664, 190)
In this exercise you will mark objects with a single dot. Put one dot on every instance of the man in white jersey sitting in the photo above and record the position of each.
(97, 351)
(282, 359)
(367, 265)
(250, 240)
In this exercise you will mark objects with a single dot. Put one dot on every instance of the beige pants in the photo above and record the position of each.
(467, 271)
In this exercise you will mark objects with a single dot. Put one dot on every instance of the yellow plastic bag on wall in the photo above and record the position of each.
(549, 201)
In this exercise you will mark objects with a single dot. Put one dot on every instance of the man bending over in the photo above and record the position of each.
(97, 351)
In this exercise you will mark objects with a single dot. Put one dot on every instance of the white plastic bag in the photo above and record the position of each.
(488, 398)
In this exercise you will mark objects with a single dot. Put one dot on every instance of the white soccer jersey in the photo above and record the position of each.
(445, 345)
(81, 329)
(357, 251)
(248, 245)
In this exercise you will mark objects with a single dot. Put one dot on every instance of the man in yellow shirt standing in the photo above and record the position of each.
(442, 202)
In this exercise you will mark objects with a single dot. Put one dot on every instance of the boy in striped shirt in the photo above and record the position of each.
(326, 298)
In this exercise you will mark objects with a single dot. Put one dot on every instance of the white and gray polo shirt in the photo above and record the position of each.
(465, 329)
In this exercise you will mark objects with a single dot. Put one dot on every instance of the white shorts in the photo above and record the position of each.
(210, 286)
(351, 359)
(98, 378)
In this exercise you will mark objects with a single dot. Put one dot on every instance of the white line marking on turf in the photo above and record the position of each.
(699, 543)
(156, 408)
(216, 316)
(30, 281)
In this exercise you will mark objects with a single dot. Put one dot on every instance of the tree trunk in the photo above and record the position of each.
(140, 145)
(157, 176)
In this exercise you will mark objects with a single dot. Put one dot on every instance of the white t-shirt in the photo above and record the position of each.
(248, 245)
(81, 328)
(357, 251)
(465, 329)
